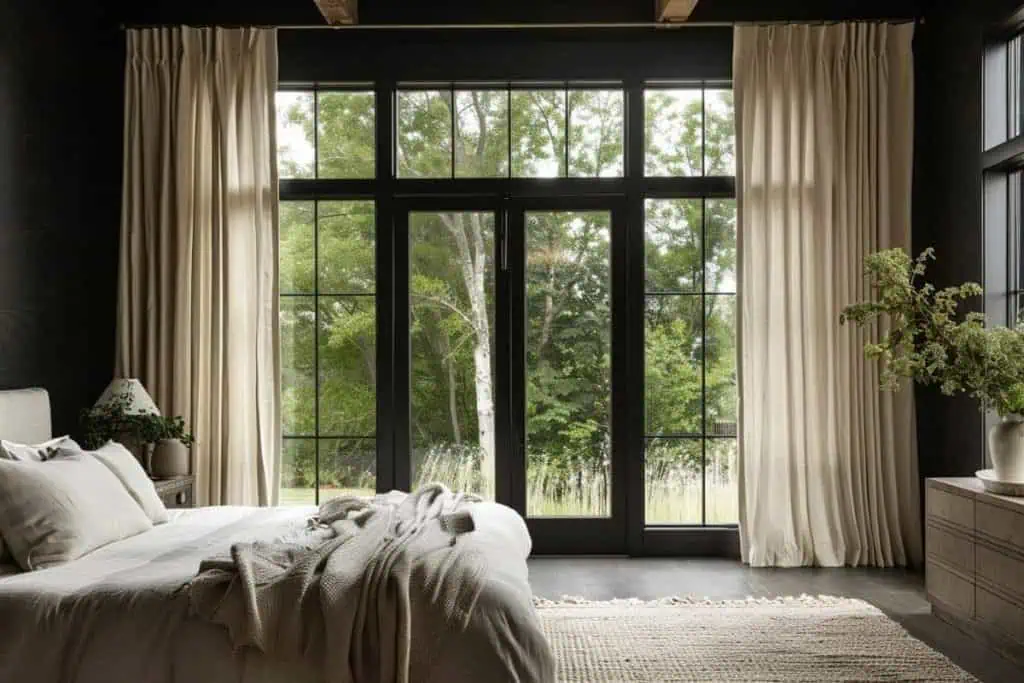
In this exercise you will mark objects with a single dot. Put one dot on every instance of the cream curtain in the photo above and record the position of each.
(828, 472)
(197, 314)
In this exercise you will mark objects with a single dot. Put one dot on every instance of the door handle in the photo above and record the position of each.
(504, 240)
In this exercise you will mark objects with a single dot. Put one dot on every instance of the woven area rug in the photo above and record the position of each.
(788, 639)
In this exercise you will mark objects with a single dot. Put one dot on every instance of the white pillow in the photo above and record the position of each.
(54, 512)
(39, 452)
(127, 469)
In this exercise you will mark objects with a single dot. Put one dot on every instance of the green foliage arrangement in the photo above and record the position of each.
(928, 342)
(112, 422)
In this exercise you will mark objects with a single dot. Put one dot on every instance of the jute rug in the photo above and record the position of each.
(788, 639)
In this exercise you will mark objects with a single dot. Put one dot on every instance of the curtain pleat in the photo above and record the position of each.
(198, 300)
(828, 464)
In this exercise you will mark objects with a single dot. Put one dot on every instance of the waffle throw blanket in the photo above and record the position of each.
(392, 589)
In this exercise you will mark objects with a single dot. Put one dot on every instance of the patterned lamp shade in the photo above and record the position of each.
(139, 400)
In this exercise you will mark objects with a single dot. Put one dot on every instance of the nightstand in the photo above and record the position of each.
(178, 492)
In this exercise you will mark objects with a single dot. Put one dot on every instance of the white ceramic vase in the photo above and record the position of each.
(170, 459)
(1006, 448)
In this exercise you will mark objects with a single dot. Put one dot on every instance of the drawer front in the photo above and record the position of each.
(1002, 570)
(950, 589)
(1001, 614)
(1001, 524)
(951, 549)
(950, 508)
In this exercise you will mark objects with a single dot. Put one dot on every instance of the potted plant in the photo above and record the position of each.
(170, 451)
(924, 338)
(168, 435)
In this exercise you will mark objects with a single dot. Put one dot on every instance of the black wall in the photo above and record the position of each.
(948, 199)
(60, 149)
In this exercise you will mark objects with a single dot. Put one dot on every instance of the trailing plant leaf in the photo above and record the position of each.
(111, 422)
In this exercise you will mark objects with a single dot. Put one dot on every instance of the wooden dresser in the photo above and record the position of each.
(975, 561)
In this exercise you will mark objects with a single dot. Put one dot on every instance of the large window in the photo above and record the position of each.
(1003, 163)
(690, 315)
(1003, 169)
(513, 225)
(328, 308)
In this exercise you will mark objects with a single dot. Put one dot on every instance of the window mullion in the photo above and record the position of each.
(316, 347)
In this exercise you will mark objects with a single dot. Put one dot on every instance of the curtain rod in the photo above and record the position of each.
(447, 27)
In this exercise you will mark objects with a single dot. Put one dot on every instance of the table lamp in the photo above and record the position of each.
(139, 400)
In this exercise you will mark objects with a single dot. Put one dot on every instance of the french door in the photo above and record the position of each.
(516, 314)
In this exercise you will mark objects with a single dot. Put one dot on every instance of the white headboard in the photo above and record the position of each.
(25, 415)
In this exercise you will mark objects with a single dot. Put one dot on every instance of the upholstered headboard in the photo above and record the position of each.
(25, 415)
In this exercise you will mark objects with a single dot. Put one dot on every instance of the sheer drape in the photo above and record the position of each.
(197, 318)
(828, 472)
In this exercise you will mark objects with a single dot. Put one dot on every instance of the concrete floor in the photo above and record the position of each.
(898, 593)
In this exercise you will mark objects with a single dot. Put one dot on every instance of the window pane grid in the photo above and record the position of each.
(690, 471)
(689, 131)
(572, 155)
(326, 134)
(324, 458)
(542, 130)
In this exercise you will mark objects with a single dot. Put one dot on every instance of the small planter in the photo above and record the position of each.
(1006, 448)
(170, 459)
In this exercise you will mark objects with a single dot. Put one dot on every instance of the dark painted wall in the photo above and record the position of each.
(60, 148)
(948, 199)
(505, 54)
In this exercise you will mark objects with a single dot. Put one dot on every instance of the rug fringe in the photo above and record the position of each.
(676, 600)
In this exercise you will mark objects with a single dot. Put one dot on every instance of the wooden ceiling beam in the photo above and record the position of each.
(338, 12)
(673, 10)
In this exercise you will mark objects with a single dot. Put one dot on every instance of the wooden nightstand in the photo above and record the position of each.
(178, 492)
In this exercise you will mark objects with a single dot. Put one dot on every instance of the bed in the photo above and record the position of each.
(122, 612)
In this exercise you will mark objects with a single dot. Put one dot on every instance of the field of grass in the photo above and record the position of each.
(669, 500)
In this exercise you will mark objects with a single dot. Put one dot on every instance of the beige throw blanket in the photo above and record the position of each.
(375, 590)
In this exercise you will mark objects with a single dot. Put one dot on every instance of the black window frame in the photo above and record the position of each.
(1002, 169)
(634, 60)
(1002, 162)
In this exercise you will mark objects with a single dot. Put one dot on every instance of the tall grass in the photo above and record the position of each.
(674, 492)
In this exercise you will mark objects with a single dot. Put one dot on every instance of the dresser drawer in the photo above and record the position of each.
(1001, 524)
(950, 508)
(1003, 571)
(1002, 614)
(950, 549)
(950, 589)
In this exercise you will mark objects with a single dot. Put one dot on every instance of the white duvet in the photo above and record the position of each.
(121, 613)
